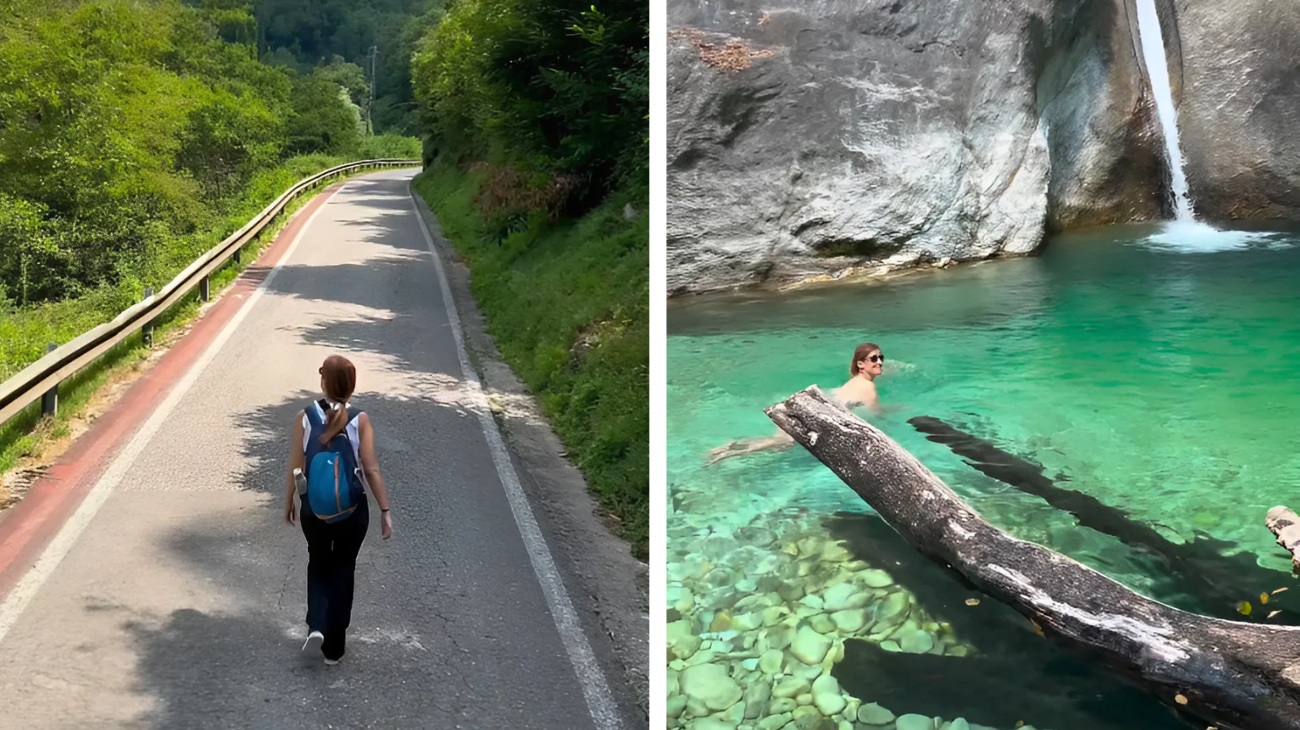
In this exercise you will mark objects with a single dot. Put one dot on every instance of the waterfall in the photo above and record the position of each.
(1153, 52)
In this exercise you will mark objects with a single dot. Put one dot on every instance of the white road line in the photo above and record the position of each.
(31, 582)
(604, 712)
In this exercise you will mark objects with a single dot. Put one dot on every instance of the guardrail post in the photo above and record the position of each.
(50, 401)
(148, 328)
(238, 253)
(204, 293)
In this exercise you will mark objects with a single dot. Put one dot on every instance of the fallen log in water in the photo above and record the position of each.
(1213, 580)
(1224, 673)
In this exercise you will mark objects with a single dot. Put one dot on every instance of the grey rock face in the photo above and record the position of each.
(1239, 111)
(888, 133)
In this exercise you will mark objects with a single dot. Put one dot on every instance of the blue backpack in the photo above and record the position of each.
(334, 486)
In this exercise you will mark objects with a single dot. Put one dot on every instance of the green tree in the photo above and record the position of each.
(324, 119)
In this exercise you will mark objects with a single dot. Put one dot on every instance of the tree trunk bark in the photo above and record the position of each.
(1223, 673)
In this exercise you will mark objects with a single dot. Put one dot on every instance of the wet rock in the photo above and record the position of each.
(703, 656)
(746, 621)
(719, 599)
(757, 696)
(895, 605)
(678, 630)
(712, 723)
(917, 642)
(746, 585)
(790, 592)
(876, 578)
(721, 622)
(734, 714)
(719, 577)
(814, 161)
(757, 536)
(1237, 107)
(890, 645)
(770, 661)
(676, 706)
(827, 697)
(710, 684)
(810, 546)
(850, 621)
(835, 552)
(806, 709)
(837, 596)
(773, 615)
(822, 624)
(809, 646)
(790, 687)
(814, 602)
(696, 707)
(915, 722)
(775, 722)
(806, 672)
(782, 706)
(959, 724)
(685, 602)
(873, 714)
(685, 647)
(780, 638)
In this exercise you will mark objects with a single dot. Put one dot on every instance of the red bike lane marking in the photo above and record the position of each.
(36, 519)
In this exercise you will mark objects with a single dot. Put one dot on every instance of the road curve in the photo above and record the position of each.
(178, 601)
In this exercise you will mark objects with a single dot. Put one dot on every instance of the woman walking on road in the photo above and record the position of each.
(330, 440)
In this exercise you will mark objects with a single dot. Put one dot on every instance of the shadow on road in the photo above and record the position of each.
(449, 627)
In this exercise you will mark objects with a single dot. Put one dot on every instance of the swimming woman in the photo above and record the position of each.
(859, 390)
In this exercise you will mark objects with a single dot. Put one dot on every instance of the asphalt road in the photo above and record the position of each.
(181, 603)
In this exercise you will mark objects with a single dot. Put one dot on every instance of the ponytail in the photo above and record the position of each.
(335, 422)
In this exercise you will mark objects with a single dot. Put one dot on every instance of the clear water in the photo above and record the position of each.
(1153, 371)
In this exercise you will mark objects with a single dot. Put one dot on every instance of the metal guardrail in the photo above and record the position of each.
(40, 380)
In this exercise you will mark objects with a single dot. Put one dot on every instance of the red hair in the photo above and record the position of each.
(861, 354)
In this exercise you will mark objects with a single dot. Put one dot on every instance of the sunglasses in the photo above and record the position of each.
(877, 358)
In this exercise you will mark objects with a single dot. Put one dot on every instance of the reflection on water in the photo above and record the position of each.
(1155, 381)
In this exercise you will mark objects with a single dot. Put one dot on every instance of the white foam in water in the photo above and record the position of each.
(1194, 237)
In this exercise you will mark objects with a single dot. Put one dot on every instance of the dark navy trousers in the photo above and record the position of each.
(331, 573)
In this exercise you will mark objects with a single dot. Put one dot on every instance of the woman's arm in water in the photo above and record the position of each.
(297, 460)
(740, 447)
(370, 465)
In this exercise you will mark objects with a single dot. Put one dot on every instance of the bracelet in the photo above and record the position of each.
(383, 510)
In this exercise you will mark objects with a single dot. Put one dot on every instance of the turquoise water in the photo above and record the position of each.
(1154, 373)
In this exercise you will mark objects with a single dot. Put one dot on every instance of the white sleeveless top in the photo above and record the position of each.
(354, 436)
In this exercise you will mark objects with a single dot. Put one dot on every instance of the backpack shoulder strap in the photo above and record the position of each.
(313, 416)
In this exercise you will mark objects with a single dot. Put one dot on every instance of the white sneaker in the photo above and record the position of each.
(332, 662)
(314, 640)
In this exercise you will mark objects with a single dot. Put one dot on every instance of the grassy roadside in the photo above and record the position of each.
(23, 334)
(568, 306)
